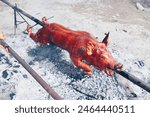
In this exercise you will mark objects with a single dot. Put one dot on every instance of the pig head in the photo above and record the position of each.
(91, 52)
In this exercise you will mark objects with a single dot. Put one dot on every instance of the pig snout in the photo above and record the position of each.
(118, 66)
(115, 67)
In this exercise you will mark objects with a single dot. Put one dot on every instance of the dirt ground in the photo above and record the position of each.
(123, 11)
(129, 30)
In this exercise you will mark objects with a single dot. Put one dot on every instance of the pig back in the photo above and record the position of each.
(63, 37)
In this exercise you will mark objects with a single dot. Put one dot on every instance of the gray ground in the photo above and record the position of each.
(129, 44)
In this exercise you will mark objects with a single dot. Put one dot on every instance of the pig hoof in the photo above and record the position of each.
(88, 73)
(119, 66)
(29, 28)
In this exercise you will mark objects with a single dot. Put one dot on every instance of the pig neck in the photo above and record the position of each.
(90, 59)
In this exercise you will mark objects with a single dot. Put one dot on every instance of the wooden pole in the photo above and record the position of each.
(31, 71)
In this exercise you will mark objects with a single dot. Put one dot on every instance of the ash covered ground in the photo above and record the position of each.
(129, 29)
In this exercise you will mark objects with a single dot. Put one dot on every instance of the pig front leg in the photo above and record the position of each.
(79, 63)
(33, 36)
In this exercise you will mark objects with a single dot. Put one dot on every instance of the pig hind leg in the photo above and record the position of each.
(79, 63)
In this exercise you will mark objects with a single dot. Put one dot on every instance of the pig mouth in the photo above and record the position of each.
(110, 71)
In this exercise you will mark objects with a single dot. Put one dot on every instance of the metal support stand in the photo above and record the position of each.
(16, 22)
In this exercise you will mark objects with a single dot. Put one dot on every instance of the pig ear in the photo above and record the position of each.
(90, 48)
(105, 40)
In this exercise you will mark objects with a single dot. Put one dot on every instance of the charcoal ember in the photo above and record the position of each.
(16, 66)
(5, 74)
(12, 95)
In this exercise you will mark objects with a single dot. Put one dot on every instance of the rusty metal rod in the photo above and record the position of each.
(23, 12)
(135, 80)
(31, 71)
